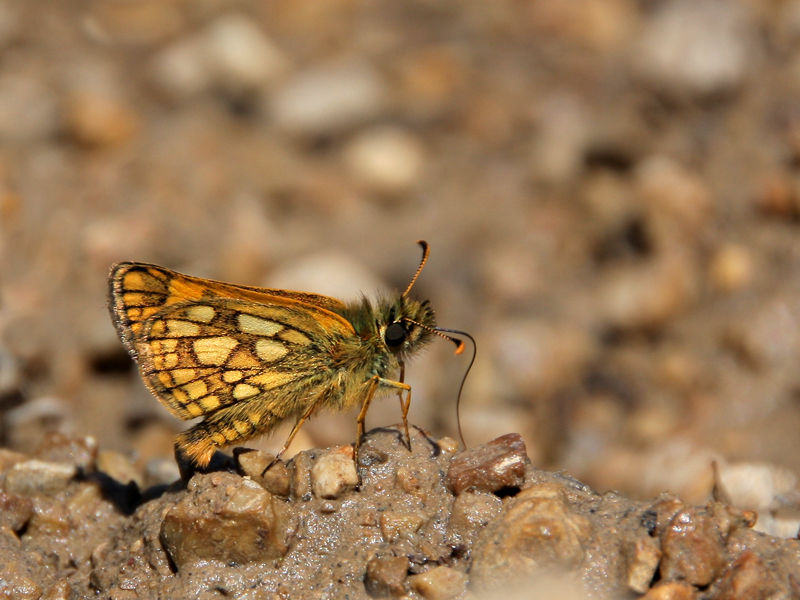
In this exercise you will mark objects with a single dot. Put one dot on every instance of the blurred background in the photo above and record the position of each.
(610, 188)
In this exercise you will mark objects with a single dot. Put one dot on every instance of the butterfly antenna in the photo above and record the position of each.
(426, 250)
(442, 332)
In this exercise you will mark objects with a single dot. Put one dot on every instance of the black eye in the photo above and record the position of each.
(394, 335)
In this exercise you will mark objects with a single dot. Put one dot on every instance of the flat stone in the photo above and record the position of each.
(493, 467)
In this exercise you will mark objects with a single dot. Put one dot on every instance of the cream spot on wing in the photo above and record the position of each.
(194, 409)
(134, 298)
(136, 280)
(243, 390)
(232, 376)
(165, 379)
(243, 360)
(219, 439)
(165, 361)
(176, 328)
(196, 389)
(272, 379)
(163, 346)
(179, 395)
(270, 350)
(254, 417)
(257, 326)
(243, 427)
(201, 313)
(134, 313)
(209, 403)
(294, 337)
(214, 350)
(182, 376)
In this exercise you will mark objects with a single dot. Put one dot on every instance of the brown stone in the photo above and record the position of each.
(641, 557)
(439, 583)
(225, 518)
(253, 464)
(15, 511)
(671, 590)
(495, 466)
(748, 578)
(692, 548)
(386, 576)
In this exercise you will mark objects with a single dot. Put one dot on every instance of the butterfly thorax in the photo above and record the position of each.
(389, 331)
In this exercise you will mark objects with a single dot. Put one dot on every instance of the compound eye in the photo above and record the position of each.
(394, 335)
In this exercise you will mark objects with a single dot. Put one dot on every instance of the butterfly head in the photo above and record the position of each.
(406, 325)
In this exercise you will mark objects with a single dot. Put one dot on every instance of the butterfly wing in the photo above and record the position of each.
(203, 345)
(140, 290)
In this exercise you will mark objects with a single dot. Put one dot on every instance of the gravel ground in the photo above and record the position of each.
(610, 189)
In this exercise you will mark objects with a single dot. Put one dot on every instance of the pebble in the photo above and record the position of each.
(748, 578)
(493, 467)
(98, 120)
(329, 98)
(401, 524)
(536, 530)
(252, 463)
(695, 49)
(386, 159)
(768, 335)
(472, 512)
(672, 590)
(692, 549)
(119, 467)
(37, 477)
(225, 518)
(439, 583)
(15, 510)
(29, 110)
(232, 54)
(731, 268)
(641, 559)
(386, 576)
(334, 473)
(79, 452)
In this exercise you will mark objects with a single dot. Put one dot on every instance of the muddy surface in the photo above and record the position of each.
(609, 188)
(433, 523)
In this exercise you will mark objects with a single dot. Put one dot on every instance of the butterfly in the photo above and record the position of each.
(247, 359)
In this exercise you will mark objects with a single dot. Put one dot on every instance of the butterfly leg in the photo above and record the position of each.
(404, 404)
(362, 416)
(306, 414)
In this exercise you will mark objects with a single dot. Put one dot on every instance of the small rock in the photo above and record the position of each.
(60, 590)
(493, 467)
(34, 477)
(225, 518)
(160, 471)
(142, 23)
(333, 473)
(692, 548)
(731, 268)
(748, 578)
(99, 120)
(15, 511)
(672, 590)
(695, 48)
(439, 583)
(28, 109)
(386, 159)
(329, 98)
(252, 463)
(537, 529)
(641, 558)
(80, 452)
(386, 576)
(472, 511)
(401, 525)
(119, 467)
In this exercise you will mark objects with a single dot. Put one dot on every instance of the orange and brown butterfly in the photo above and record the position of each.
(246, 359)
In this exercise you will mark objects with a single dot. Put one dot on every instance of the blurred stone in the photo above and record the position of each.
(15, 511)
(560, 146)
(28, 109)
(329, 98)
(386, 159)
(439, 583)
(253, 463)
(691, 548)
(647, 296)
(160, 471)
(768, 335)
(225, 518)
(731, 268)
(641, 558)
(60, 590)
(98, 120)
(31, 422)
(141, 23)
(80, 452)
(402, 524)
(386, 576)
(672, 590)
(231, 54)
(119, 467)
(536, 530)
(493, 467)
(695, 49)
(748, 578)
(757, 486)
(34, 477)
(10, 25)
(333, 473)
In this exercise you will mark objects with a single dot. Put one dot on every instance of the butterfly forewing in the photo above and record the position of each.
(202, 348)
